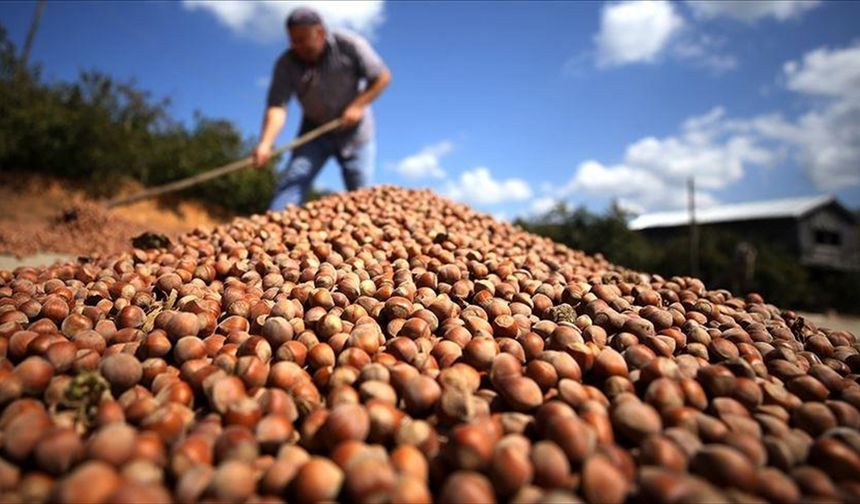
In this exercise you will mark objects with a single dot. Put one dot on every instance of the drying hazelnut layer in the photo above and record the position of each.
(388, 345)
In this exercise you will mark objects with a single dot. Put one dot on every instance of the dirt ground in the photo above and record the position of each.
(35, 228)
(44, 215)
(836, 321)
(10, 262)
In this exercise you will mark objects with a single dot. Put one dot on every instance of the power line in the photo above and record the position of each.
(694, 230)
(31, 33)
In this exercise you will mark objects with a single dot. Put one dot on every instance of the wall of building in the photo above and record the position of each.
(825, 238)
(828, 239)
(780, 232)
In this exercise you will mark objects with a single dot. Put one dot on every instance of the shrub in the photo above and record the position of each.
(102, 132)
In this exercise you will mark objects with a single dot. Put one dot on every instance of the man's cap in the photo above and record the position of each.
(303, 16)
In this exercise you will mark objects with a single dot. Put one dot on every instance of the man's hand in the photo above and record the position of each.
(352, 116)
(262, 153)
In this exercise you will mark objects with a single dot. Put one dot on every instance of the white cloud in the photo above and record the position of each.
(635, 31)
(826, 138)
(639, 31)
(654, 171)
(750, 11)
(826, 72)
(630, 206)
(501, 216)
(704, 149)
(635, 188)
(825, 141)
(479, 187)
(426, 162)
(718, 150)
(264, 20)
(704, 51)
(677, 198)
(619, 180)
(830, 145)
(263, 81)
(542, 205)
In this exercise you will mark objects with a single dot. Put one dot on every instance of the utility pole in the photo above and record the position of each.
(31, 33)
(694, 230)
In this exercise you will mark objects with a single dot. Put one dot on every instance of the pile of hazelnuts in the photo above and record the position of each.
(388, 345)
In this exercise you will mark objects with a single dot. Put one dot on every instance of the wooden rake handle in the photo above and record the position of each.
(178, 185)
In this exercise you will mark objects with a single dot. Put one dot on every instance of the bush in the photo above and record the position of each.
(102, 132)
(606, 234)
(778, 276)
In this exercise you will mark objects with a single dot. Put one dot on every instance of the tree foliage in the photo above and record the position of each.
(592, 233)
(102, 132)
(777, 275)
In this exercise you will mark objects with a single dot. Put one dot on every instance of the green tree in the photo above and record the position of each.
(606, 234)
(103, 132)
(777, 275)
(316, 193)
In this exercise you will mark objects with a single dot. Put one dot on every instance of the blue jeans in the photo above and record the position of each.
(295, 179)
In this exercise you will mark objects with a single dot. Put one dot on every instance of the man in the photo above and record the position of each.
(334, 75)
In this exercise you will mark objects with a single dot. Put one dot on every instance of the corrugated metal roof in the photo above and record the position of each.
(773, 209)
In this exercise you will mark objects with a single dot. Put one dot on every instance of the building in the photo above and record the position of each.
(818, 230)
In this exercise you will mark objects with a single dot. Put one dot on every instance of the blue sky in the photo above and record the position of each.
(513, 106)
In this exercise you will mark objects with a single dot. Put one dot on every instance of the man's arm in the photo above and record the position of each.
(273, 122)
(280, 90)
(355, 111)
(370, 67)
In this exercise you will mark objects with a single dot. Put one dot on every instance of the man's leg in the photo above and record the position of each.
(358, 167)
(295, 179)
